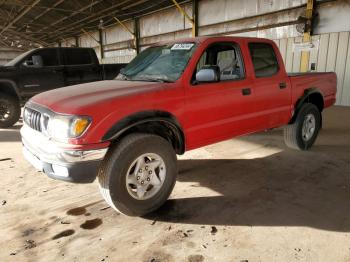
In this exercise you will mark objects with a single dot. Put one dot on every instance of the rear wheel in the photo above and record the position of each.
(138, 174)
(10, 110)
(303, 132)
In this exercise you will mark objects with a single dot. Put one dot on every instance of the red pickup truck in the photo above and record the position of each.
(173, 97)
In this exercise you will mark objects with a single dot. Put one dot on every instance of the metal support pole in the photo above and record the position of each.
(137, 34)
(192, 20)
(195, 18)
(305, 55)
(100, 34)
(76, 41)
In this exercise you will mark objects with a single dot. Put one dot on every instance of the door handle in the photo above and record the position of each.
(57, 70)
(246, 91)
(282, 85)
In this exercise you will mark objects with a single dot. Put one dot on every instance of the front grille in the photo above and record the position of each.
(32, 118)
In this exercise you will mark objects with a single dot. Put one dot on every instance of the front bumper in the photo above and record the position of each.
(61, 161)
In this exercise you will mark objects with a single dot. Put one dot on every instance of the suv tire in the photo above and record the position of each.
(10, 110)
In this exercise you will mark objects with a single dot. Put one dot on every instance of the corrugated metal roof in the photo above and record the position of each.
(43, 22)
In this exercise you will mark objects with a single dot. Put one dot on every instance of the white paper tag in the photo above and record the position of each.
(183, 46)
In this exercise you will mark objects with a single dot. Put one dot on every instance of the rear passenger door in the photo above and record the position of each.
(272, 90)
(80, 66)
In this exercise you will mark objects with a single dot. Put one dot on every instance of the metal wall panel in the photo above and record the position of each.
(331, 54)
(296, 56)
(117, 33)
(341, 63)
(211, 12)
(345, 95)
(322, 53)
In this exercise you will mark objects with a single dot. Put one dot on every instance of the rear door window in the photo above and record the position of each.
(77, 56)
(264, 59)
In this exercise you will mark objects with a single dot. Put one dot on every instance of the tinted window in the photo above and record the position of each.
(264, 59)
(49, 57)
(77, 56)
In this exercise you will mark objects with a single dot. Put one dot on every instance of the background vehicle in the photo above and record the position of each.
(171, 98)
(44, 69)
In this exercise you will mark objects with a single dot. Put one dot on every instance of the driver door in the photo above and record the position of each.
(219, 110)
(41, 71)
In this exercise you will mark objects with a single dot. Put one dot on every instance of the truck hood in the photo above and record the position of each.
(73, 99)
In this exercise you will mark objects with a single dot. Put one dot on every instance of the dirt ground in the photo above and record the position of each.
(247, 199)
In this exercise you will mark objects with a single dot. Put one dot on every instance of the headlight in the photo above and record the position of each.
(64, 127)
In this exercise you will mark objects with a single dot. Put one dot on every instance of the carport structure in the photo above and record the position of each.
(245, 199)
(118, 30)
(46, 22)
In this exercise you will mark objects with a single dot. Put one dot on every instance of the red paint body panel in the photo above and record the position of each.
(207, 113)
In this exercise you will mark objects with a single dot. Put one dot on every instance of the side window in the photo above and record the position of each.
(226, 56)
(44, 57)
(77, 56)
(264, 59)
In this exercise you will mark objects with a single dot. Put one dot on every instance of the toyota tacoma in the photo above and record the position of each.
(173, 97)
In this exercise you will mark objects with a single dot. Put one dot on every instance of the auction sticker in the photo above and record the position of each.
(183, 46)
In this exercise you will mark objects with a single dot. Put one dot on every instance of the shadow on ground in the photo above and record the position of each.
(11, 134)
(289, 188)
(271, 191)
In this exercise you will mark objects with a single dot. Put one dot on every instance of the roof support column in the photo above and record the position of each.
(191, 19)
(137, 34)
(100, 35)
(76, 41)
(195, 18)
(305, 55)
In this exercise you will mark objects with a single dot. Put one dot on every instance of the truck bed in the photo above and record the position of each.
(323, 81)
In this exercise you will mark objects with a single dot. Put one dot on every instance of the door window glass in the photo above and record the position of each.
(264, 59)
(226, 56)
(44, 57)
(77, 56)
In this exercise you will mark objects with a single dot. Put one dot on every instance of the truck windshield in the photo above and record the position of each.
(14, 61)
(160, 63)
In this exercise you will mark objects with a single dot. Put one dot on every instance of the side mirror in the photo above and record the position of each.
(28, 63)
(208, 74)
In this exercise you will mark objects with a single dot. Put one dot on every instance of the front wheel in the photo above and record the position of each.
(303, 132)
(10, 110)
(138, 174)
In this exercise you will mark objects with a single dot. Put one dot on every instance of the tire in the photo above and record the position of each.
(295, 136)
(118, 167)
(10, 110)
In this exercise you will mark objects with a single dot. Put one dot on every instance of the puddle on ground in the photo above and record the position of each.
(64, 233)
(78, 211)
(91, 224)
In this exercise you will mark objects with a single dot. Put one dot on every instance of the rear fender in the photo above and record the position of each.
(311, 95)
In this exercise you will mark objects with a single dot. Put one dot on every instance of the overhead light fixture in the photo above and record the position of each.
(100, 25)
